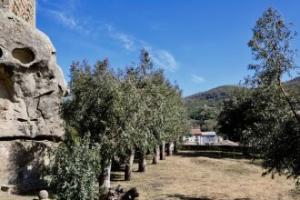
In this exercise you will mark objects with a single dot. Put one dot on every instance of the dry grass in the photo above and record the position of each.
(192, 177)
(6, 196)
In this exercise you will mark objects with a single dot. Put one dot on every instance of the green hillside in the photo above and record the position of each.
(204, 107)
(215, 94)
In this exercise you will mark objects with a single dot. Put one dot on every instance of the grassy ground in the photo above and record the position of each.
(202, 176)
(192, 176)
(6, 196)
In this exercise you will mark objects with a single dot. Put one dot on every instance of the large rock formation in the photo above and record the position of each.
(31, 83)
(25, 9)
(31, 90)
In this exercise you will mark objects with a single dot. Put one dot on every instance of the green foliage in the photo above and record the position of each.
(161, 110)
(74, 169)
(236, 116)
(203, 108)
(134, 109)
(284, 153)
(271, 49)
(95, 105)
(277, 128)
(265, 118)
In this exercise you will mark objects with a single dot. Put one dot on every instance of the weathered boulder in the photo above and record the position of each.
(31, 91)
(31, 82)
(43, 195)
(23, 163)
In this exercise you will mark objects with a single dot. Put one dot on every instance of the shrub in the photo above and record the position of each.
(74, 170)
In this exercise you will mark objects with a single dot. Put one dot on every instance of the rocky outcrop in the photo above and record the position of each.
(31, 91)
(22, 165)
(31, 83)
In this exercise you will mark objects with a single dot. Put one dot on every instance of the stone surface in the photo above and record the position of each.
(22, 164)
(25, 9)
(31, 83)
(31, 90)
(43, 195)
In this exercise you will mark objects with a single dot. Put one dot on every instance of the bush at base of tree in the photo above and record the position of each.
(74, 170)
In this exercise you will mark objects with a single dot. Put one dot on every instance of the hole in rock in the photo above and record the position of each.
(22, 120)
(24, 55)
(1, 53)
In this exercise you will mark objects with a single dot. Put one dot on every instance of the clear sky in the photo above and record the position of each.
(201, 44)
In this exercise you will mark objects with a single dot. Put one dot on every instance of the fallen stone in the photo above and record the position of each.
(43, 195)
(8, 188)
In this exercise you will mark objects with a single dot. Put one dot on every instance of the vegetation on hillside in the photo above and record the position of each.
(204, 108)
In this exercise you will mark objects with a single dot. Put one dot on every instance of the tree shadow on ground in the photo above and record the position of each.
(116, 176)
(183, 197)
(213, 154)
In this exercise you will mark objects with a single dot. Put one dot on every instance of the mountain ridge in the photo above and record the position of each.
(225, 91)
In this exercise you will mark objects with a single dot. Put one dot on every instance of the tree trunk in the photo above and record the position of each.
(156, 155)
(129, 166)
(142, 163)
(167, 149)
(175, 147)
(163, 151)
(104, 180)
(170, 149)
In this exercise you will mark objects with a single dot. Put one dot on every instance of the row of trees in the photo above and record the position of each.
(114, 114)
(265, 116)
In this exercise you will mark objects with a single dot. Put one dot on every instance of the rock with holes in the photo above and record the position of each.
(31, 82)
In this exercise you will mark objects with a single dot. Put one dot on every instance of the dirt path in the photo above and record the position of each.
(191, 177)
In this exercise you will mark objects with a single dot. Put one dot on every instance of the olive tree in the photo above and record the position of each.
(94, 107)
(275, 132)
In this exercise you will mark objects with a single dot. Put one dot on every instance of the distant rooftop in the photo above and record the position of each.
(209, 133)
(196, 131)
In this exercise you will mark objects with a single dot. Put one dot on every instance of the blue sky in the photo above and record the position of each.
(201, 44)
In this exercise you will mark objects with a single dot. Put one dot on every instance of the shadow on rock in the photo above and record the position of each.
(27, 166)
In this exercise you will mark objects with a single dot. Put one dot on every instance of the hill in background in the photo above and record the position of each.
(204, 107)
